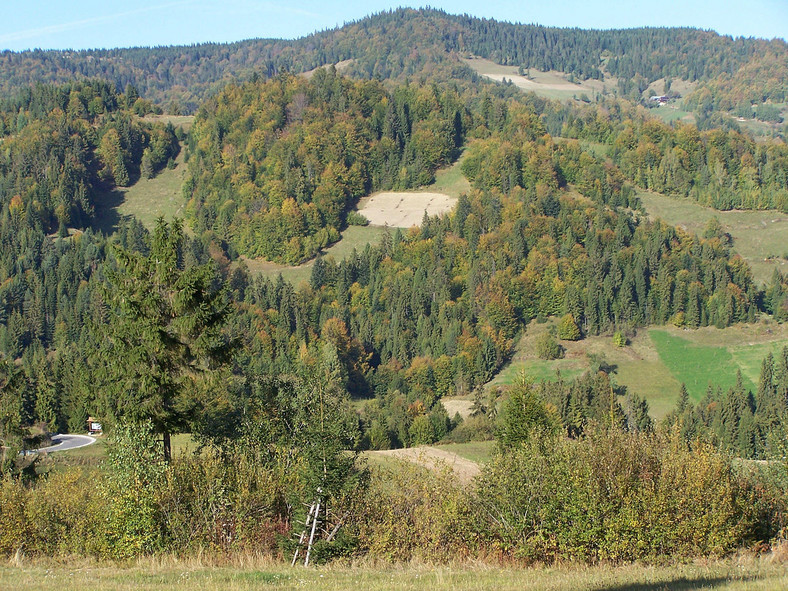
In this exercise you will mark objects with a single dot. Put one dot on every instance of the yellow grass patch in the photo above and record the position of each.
(403, 210)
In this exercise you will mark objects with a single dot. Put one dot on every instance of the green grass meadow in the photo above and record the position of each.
(147, 199)
(656, 361)
(697, 366)
(541, 370)
(450, 180)
(670, 113)
(475, 451)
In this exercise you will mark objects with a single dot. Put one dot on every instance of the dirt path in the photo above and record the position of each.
(435, 459)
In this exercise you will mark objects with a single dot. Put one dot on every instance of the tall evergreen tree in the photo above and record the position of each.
(165, 340)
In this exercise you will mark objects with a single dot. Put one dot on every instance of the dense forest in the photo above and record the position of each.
(63, 147)
(425, 314)
(418, 43)
(164, 330)
(720, 167)
(276, 166)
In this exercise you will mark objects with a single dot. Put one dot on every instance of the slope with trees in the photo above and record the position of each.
(65, 145)
(276, 166)
(425, 43)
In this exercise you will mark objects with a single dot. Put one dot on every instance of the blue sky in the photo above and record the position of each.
(82, 24)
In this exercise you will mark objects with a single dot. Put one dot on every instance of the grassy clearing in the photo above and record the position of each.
(750, 357)
(637, 366)
(683, 87)
(656, 361)
(475, 451)
(760, 237)
(354, 237)
(669, 113)
(540, 370)
(182, 121)
(147, 199)
(596, 148)
(379, 461)
(697, 366)
(552, 84)
(450, 180)
(763, 129)
(194, 575)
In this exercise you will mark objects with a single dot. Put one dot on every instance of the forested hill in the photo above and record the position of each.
(427, 43)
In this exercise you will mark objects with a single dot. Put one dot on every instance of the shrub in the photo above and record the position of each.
(14, 527)
(474, 428)
(547, 347)
(66, 513)
(412, 513)
(568, 329)
(355, 218)
(209, 503)
(61, 515)
(134, 474)
(619, 340)
(615, 496)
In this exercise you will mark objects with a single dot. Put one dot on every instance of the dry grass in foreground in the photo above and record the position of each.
(750, 573)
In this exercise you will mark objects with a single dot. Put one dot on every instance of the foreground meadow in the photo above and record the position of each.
(150, 575)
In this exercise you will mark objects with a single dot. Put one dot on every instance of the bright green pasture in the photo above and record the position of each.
(697, 366)
(655, 362)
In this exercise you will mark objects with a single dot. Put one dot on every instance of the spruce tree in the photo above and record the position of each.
(165, 340)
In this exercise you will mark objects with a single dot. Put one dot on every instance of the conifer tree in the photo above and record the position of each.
(165, 340)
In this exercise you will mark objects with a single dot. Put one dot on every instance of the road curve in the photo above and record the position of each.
(64, 442)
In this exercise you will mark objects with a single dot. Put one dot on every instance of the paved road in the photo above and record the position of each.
(64, 442)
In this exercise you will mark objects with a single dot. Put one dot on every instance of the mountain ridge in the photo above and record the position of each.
(407, 42)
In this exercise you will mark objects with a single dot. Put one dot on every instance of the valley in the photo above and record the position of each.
(470, 303)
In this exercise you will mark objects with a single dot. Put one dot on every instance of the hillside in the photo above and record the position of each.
(389, 251)
(429, 43)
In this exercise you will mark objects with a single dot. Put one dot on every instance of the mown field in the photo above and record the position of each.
(197, 574)
(657, 360)
(449, 181)
(552, 85)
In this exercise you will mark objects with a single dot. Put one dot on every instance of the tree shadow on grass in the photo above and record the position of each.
(107, 216)
(680, 584)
